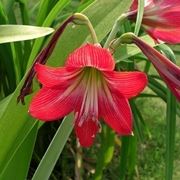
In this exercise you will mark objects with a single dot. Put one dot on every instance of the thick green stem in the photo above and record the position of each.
(139, 16)
(170, 121)
(170, 134)
(126, 38)
(82, 19)
(78, 162)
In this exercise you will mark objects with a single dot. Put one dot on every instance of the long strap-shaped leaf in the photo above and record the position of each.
(170, 122)
(12, 33)
(170, 134)
(54, 150)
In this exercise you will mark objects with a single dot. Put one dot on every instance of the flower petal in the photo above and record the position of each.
(174, 88)
(134, 5)
(52, 104)
(53, 76)
(161, 19)
(86, 133)
(169, 2)
(116, 112)
(129, 84)
(171, 36)
(167, 70)
(91, 56)
(172, 17)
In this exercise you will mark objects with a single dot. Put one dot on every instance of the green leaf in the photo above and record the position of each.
(170, 134)
(3, 17)
(84, 4)
(12, 33)
(160, 90)
(128, 157)
(4, 103)
(23, 157)
(141, 119)
(59, 6)
(137, 124)
(8, 68)
(15, 125)
(47, 22)
(10, 152)
(42, 13)
(54, 150)
(8, 5)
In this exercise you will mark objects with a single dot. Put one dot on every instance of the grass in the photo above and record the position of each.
(151, 160)
(151, 152)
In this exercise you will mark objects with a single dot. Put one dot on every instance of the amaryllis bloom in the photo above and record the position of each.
(161, 19)
(167, 69)
(89, 87)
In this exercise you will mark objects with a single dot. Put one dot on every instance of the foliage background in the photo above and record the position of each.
(19, 132)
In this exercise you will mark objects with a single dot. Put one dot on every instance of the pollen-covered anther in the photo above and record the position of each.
(86, 117)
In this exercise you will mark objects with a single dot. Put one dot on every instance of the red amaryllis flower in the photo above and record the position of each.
(167, 70)
(161, 19)
(89, 87)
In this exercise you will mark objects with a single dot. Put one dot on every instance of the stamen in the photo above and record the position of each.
(82, 119)
(89, 107)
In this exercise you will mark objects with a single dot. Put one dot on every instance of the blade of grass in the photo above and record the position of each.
(27, 44)
(9, 76)
(156, 90)
(161, 93)
(8, 9)
(54, 150)
(24, 12)
(147, 66)
(137, 125)
(3, 17)
(8, 65)
(141, 119)
(170, 134)
(42, 12)
(156, 83)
